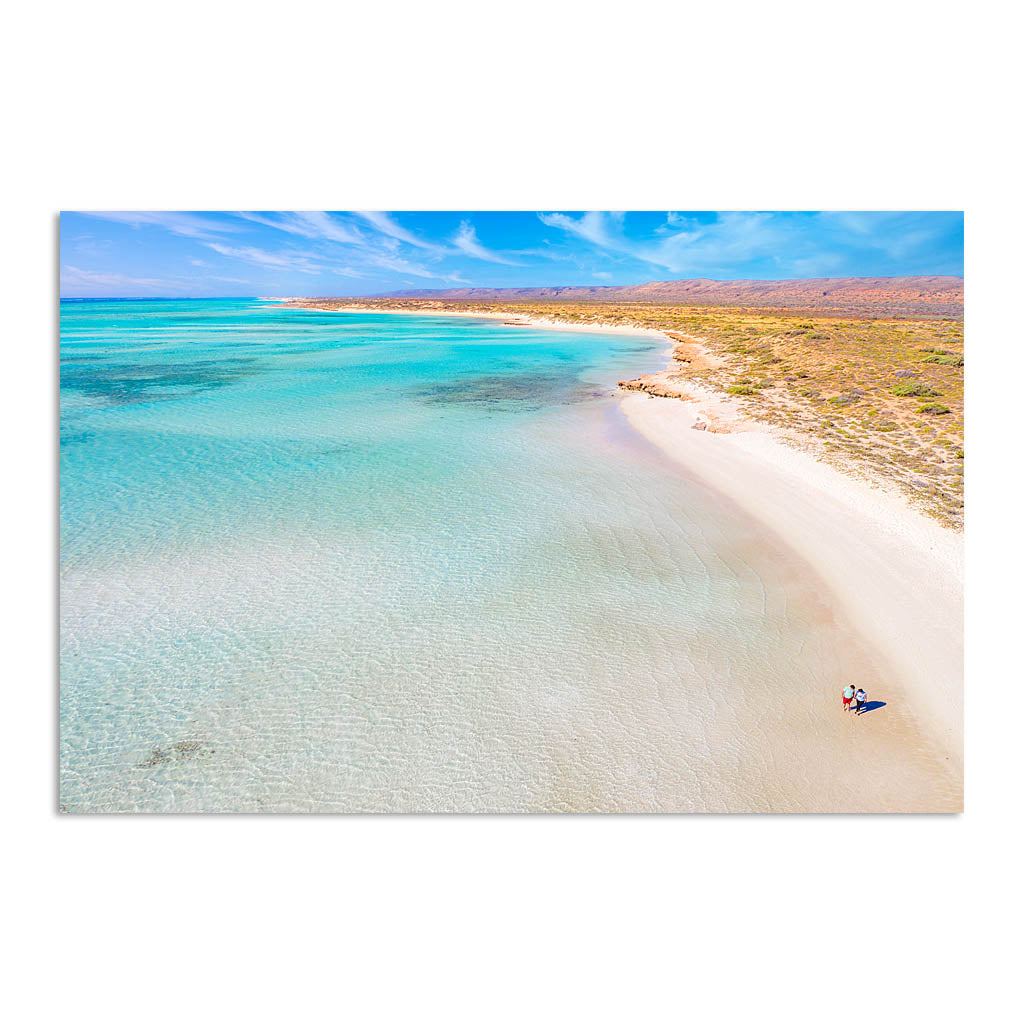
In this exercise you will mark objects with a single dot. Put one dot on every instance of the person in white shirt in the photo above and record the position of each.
(860, 698)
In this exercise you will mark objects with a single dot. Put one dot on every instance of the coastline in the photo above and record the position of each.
(505, 317)
(896, 574)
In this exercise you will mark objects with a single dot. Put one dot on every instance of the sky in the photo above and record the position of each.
(319, 253)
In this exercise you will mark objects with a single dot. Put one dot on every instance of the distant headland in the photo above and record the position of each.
(871, 296)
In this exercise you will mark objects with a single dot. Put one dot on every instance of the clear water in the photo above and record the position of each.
(333, 562)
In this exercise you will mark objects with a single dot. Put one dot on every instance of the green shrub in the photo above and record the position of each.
(933, 409)
(740, 389)
(912, 389)
(946, 359)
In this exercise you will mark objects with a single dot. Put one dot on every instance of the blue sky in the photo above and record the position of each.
(317, 253)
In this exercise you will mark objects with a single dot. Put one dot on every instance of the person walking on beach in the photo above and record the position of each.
(860, 698)
(847, 696)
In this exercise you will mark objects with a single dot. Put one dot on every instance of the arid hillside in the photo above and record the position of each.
(865, 296)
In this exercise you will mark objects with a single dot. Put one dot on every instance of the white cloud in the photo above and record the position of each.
(404, 266)
(595, 227)
(467, 242)
(386, 225)
(898, 235)
(76, 277)
(308, 224)
(365, 251)
(693, 247)
(190, 225)
(327, 227)
(262, 258)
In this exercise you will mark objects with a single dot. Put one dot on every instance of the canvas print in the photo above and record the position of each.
(511, 512)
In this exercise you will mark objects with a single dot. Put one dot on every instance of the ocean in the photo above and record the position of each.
(327, 562)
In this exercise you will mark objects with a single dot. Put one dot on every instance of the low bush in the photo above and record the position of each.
(933, 409)
(912, 390)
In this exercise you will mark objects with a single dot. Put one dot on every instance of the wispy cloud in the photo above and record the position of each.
(898, 235)
(77, 277)
(189, 225)
(681, 245)
(731, 240)
(467, 242)
(404, 266)
(261, 258)
(595, 227)
(388, 226)
(328, 227)
(365, 251)
(308, 224)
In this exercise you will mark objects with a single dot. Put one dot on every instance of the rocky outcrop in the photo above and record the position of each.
(661, 385)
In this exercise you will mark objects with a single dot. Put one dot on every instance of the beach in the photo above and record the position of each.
(352, 562)
(891, 574)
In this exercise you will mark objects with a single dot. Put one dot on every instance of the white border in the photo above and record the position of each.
(534, 106)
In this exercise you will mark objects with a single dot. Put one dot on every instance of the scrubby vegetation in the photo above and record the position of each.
(915, 391)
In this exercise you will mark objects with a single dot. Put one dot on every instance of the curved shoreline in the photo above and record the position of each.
(896, 574)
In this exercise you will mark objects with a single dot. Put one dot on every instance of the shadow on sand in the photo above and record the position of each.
(871, 705)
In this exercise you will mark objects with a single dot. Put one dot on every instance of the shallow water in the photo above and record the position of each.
(340, 562)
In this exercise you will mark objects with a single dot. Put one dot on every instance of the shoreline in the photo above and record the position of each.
(523, 321)
(896, 574)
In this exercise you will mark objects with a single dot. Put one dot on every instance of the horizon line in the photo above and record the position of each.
(497, 288)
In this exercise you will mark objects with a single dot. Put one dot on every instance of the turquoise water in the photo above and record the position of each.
(338, 562)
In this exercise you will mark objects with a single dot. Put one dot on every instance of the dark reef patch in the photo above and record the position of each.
(185, 750)
(510, 392)
(131, 383)
(69, 436)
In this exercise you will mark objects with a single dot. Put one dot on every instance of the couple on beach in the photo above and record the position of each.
(857, 698)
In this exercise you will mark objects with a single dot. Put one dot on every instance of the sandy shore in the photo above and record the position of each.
(894, 575)
(510, 317)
